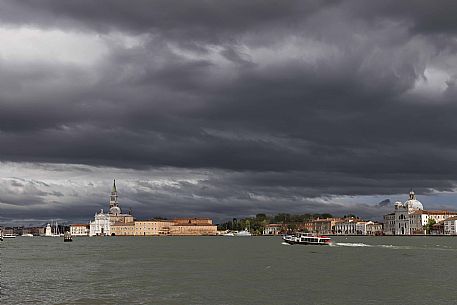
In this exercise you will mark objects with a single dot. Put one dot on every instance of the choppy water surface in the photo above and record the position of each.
(228, 270)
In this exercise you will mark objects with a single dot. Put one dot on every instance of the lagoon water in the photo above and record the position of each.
(228, 270)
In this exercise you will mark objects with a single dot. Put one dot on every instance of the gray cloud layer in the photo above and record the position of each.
(279, 99)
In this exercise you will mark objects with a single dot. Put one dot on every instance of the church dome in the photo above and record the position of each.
(115, 210)
(412, 203)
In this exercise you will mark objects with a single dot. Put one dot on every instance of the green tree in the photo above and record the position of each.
(429, 225)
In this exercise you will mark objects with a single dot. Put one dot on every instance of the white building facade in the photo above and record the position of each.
(79, 230)
(410, 218)
(100, 226)
(272, 229)
(450, 226)
(348, 227)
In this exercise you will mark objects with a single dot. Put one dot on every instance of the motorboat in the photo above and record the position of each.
(228, 234)
(307, 239)
(27, 235)
(242, 233)
(67, 237)
(9, 236)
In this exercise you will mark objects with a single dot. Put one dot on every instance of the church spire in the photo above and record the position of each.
(113, 197)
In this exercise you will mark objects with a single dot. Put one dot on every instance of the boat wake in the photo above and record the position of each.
(370, 246)
(351, 245)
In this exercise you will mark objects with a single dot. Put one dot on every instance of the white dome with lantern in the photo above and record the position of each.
(412, 203)
(115, 210)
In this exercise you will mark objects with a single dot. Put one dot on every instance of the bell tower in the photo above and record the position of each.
(113, 197)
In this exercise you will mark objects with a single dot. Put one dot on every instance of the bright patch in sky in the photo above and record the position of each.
(30, 44)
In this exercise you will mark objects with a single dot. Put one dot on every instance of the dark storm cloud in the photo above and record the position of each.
(283, 100)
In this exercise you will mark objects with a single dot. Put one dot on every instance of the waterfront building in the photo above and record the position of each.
(79, 230)
(361, 227)
(450, 226)
(410, 218)
(192, 221)
(101, 225)
(355, 226)
(193, 226)
(307, 226)
(116, 223)
(437, 228)
(142, 228)
(272, 229)
(346, 227)
(154, 227)
(374, 228)
(120, 228)
(322, 226)
(389, 224)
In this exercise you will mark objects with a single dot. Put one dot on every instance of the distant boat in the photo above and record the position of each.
(67, 237)
(245, 232)
(228, 234)
(9, 236)
(27, 235)
(1, 235)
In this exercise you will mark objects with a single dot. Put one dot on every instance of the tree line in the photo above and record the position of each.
(260, 221)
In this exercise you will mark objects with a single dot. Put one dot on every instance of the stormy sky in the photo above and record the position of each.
(225, 108)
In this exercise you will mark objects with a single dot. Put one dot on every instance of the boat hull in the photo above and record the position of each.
(307, 240)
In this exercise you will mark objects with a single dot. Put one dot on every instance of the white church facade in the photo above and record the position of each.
(410, 218)
(101, 225)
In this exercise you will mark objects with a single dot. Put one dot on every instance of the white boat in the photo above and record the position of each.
(228, 234)
(307, 239)
(242, 233)
(27, 235)
(9, 236)
(1, 235)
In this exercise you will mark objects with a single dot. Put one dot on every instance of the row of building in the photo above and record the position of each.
(410, 218)
(116, 223)
(343, 226)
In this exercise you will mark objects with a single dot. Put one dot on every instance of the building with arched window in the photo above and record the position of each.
(410, 218)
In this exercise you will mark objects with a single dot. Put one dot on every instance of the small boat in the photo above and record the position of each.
(27, 235)
(307, 239)
(9, 236)
(228, 234)
(242, 233)
(1, 235)
(67, 237)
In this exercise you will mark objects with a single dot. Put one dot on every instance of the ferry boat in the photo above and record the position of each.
(9, 236)
(307, 239)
